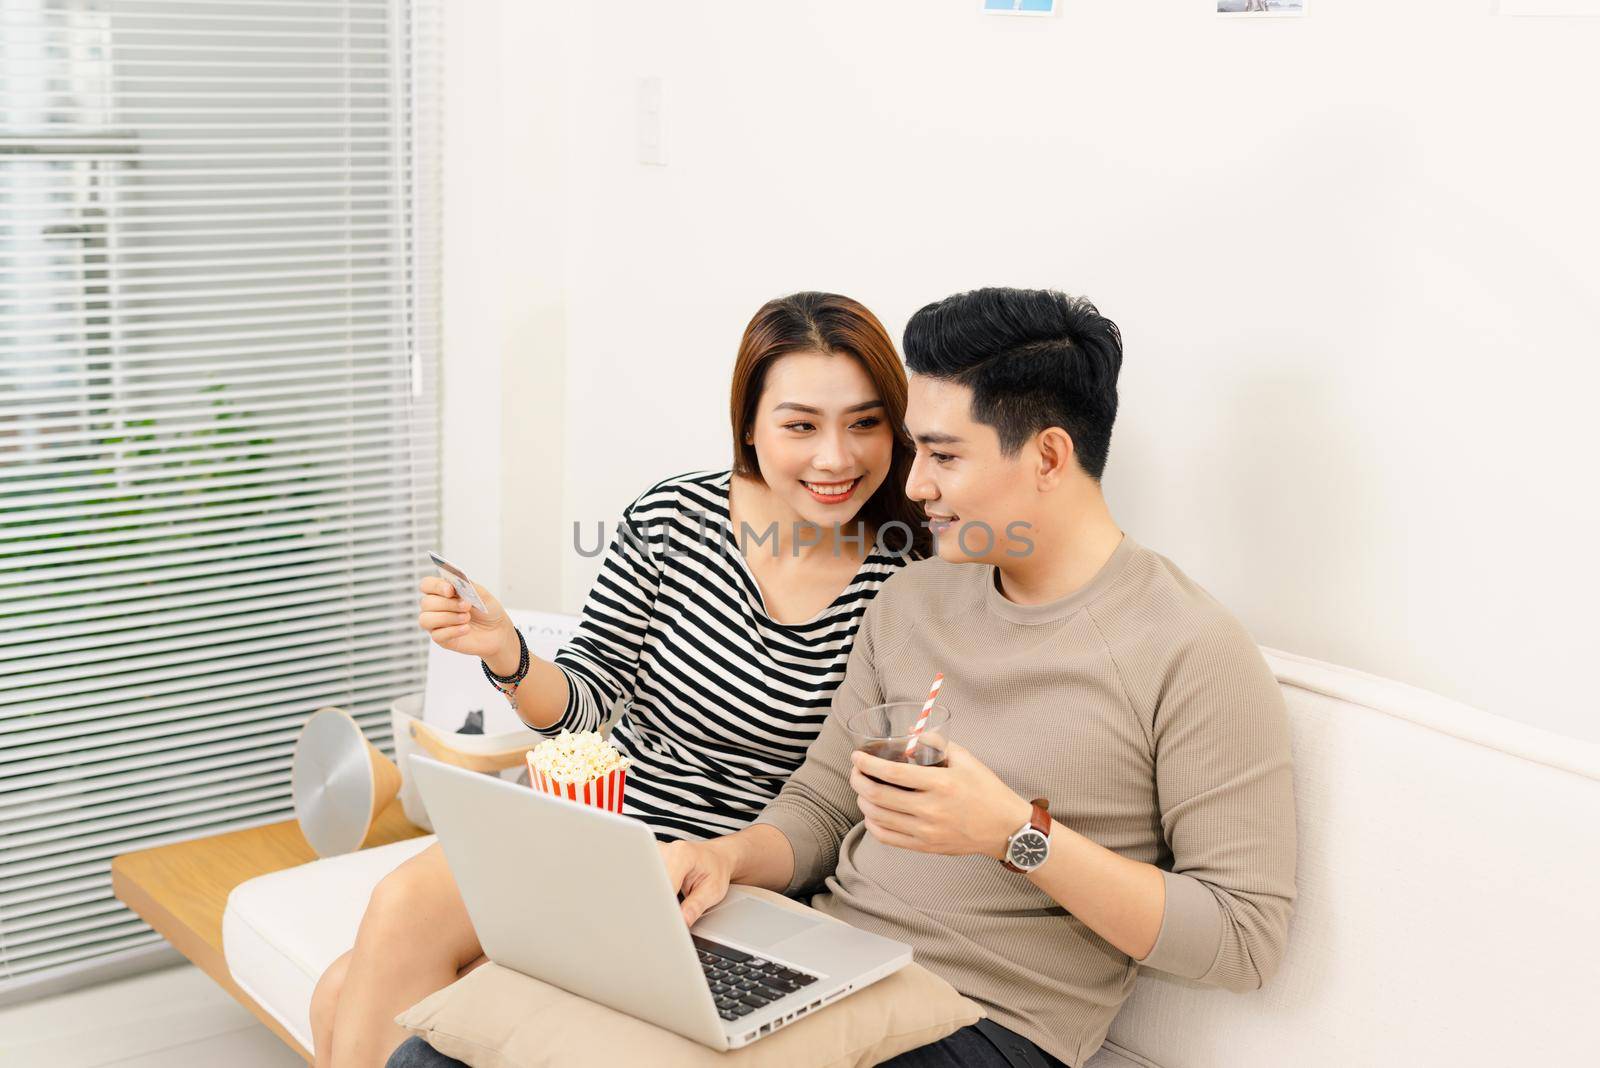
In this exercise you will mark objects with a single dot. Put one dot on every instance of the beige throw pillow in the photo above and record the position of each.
(497, 1018)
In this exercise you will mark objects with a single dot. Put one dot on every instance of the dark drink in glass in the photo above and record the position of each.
(884, 731)
(924, 755)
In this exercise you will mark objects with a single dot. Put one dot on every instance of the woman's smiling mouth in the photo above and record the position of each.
(831, 492)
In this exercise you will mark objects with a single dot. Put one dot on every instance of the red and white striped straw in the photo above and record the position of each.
(922, 720)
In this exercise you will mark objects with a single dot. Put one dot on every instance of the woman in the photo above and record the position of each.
(722, 618)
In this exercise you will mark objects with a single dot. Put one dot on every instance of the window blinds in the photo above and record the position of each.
(218, 470)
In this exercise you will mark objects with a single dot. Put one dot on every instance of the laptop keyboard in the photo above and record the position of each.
(742, 983)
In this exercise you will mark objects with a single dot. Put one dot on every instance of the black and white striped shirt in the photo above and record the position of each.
(720, 700)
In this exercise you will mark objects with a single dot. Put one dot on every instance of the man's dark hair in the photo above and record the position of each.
(1033, 358)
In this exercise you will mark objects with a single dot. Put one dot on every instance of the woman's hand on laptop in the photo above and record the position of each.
(699, 873)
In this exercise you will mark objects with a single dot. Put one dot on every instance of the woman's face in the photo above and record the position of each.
(822, 439)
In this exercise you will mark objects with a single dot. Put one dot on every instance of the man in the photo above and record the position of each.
(1081, 668)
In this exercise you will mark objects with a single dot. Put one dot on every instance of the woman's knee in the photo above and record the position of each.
(325, 996)
(412, 892)
(416, 904)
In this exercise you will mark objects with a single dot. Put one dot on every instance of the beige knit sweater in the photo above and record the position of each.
(1147, 716)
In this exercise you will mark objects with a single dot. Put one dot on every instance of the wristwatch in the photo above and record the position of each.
(1030, 846)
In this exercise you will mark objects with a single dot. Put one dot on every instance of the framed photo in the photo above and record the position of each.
(1568, 8)
(1261, 8)
(1017, 7)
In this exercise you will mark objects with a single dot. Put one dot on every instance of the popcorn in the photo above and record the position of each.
(581, 767)
(580, 757)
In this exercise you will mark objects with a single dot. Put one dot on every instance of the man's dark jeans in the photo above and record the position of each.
(969, 1047)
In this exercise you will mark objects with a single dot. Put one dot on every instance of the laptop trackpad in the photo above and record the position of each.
(753, 923)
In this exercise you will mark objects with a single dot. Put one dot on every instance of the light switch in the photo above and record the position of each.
(652, 148)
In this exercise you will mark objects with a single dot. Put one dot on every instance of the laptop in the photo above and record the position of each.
(579, 897)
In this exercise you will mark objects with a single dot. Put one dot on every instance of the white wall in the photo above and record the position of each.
(1352, 255)
(471, 306)
(503, 415)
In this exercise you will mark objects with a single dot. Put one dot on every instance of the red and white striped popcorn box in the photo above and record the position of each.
(604, 792)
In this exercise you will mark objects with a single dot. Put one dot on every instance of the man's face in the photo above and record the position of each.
(974, 496)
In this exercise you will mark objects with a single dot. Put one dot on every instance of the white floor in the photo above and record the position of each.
(174, 1018)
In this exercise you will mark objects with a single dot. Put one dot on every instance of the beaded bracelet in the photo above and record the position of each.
(507, 684)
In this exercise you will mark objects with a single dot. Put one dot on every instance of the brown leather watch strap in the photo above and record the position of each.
(1041, 816)
(1039, 820)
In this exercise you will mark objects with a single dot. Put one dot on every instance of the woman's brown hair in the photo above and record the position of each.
(838, 326)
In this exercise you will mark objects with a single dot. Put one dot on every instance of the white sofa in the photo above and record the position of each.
(1448, 872)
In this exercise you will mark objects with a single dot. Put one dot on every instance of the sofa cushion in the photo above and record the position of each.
(494, 1017)
(281, 931)
(1446, 888)
(1445, 871)
(1110, 1055)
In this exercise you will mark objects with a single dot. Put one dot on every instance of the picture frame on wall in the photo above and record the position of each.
(1255, 9)
(1018, 7)
(1549, 8)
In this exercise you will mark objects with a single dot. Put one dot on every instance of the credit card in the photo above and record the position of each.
(458, 578)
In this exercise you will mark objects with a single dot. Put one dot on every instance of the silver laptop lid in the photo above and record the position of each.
(570, 894)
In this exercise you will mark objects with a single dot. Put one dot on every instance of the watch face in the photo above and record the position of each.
(1029, 850)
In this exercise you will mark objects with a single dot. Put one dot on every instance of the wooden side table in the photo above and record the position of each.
(182, 889)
